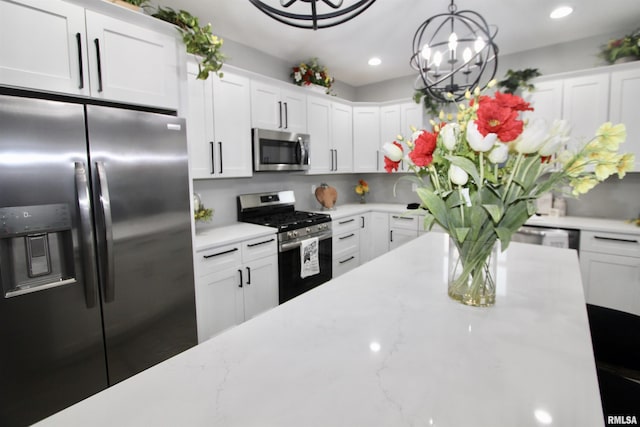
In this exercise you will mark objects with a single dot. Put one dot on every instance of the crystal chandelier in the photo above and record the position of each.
(312, 14)
(454, 52)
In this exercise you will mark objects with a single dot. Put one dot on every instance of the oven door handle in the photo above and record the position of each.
(296, 244)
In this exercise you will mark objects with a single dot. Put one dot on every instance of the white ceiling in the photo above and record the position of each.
(386, 30)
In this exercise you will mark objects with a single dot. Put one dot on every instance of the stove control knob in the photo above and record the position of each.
(295, 233)
(308, 229)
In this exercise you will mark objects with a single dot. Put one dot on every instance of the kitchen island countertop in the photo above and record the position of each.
(383, 345)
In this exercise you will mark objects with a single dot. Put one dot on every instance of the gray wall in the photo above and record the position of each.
(611, 199)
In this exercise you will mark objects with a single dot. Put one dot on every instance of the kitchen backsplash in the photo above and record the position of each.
(613, 199)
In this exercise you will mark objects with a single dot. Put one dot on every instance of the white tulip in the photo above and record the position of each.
(416, 134)
(478, 142)
(392, 151)
(532, 138)
(499, 154)
(560, 128)
(449, 134)
(457, 175)
(551, 145)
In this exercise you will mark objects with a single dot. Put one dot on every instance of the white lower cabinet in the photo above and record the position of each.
(402, 228)
(346, 244)
(379, 230)
(610, 266)
(235, 283)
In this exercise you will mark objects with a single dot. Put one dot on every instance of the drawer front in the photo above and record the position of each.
(259, 248)
(407, 222)
(610, 243)
(345, 263)
(220, 258)
(346, 242)
(343, 225)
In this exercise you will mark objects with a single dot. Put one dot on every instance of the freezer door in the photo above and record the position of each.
(141, 188)
(51, 343)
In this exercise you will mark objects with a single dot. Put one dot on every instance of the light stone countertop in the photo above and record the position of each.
(383, 345)
(229, 234)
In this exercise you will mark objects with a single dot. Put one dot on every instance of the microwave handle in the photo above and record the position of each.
(301, 152)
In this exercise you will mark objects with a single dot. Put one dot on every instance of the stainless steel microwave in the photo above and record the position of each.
(280, 151)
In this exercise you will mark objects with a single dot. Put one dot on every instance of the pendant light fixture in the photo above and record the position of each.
(312, 14)
(454, 52)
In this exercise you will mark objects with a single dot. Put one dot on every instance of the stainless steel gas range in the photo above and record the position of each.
(304, 239)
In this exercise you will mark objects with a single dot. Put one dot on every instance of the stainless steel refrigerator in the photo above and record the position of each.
(96, 270)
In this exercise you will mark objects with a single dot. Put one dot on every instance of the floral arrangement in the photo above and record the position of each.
(479, 175)
(312, 73)
(627, 46)
(200, 213)
(362, 188)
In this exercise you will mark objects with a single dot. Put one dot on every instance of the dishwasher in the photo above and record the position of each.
(548, 236)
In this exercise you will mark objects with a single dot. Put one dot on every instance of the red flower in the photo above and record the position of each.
(390, 165)
(514, 102)
(425, 145)
(499, 115)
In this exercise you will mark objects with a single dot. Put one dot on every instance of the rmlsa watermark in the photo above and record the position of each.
(622, 420)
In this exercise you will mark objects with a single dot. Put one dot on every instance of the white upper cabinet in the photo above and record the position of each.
(219, 125)
(277, 108)
(47, 54)
(625, 88)
(366, 139)
(71, 50)
(546, 100)
(131, 64)
(586, 104)
(329, 125)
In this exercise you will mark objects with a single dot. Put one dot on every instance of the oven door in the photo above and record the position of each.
(280, 151)
(291, 283)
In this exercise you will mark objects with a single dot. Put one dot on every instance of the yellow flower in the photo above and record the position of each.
(611, 136)
(359, 189)
(607, 165)
(583, 185)
(626, 164)
(577, 167)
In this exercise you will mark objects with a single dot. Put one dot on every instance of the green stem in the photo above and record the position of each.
(461, 204)
(481, 171)
(513, 172)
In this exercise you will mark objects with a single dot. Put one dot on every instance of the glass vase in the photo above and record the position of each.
(472, 272)
(363, 199)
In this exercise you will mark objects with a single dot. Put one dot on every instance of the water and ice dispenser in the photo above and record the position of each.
(36, 248)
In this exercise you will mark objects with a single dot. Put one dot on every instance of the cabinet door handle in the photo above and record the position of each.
(347, 260)
(391, 235)
(251, 245)
(346, 221)
(99, 63)
(336, 153)
(80, 68)
(220, 253)
(616, 239)
(248, 275)
(240, 285)
(280, 112)
(362, 218)
(220, 154)
(286, 116)
(406, 218)
(377, 160)
(213, 159)
(346, 237)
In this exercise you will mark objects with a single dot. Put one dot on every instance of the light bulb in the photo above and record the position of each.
(467, 54)
(426, 52)
(479, 44)
(437, 58)
(453, 41)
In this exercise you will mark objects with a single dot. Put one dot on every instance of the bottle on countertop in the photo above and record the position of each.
(560, 203)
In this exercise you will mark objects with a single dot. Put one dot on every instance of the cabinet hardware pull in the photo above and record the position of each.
(240, 285)
(616, 239)
(406, 218)
(213, 159)
(280, 111)
(220, 154)
(220, 253)
(362, 218)
(347, 260)
(391, 235)
(99, 62)
(286, 116)
(251, 245)
(347, 221)
(346, 237)
(248, 275)
(336, 153)
(79, 42)
(377, 160)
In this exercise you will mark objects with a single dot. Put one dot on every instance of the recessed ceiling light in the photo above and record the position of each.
(561, 12)
(375, 61)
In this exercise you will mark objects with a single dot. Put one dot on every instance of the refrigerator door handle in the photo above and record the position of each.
(86, 234)
(105, 202)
